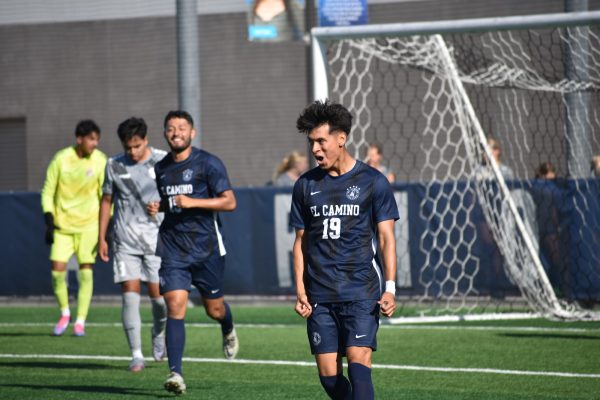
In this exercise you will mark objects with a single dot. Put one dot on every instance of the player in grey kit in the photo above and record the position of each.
(129, 184)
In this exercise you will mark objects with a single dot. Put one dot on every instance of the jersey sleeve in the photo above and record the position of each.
(102, 163)
(296, 213)
(384, 203)
(50, 184)
(107, 186)
(217, 178)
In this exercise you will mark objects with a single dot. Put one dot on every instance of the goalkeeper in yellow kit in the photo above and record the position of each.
(71, 202)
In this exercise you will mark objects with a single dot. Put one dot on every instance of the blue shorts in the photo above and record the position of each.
(332, 327)
(206, 276)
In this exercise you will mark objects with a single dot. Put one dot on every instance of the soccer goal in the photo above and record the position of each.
(491, 127)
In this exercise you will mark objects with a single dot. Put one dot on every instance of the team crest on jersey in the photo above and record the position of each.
(187, 175)
(89, 172)
(316, 338)
(352, 192)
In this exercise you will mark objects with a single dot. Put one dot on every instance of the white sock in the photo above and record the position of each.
(132, 322)
(137, 353)
(159, 316)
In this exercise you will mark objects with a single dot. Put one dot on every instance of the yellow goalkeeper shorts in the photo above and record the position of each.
(84, 245)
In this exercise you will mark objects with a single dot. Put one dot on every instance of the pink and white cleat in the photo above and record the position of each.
(78, 329)
(61, 325)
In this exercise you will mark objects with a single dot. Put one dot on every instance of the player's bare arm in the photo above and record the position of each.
(387, 245)
(303, 307)
(103, 220)
(225, 201)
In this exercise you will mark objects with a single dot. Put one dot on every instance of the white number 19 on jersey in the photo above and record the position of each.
(331, 228)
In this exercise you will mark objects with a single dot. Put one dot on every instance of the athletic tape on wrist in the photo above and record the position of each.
(390, 286)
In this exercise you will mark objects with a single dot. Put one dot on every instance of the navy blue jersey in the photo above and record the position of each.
(339, 215)
(190, 234)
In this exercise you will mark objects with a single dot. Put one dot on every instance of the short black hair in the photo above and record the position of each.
(85, 127)
(543, 169)
(179, 114)
(132, 127)
(325, 112)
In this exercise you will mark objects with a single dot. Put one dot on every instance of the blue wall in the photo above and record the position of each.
(258, 241)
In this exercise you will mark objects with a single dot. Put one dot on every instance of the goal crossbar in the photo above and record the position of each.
(320, 35)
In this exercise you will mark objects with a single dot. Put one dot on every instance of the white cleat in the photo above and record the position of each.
(231, 345)
(175, 383)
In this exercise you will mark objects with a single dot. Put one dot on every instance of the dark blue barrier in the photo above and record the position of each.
(24, 266)
(258, 242)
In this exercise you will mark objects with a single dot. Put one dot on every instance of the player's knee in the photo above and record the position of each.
(360, 355)
(176, 308)
(215, 311)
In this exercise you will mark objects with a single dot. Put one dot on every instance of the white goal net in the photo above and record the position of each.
(474, 121)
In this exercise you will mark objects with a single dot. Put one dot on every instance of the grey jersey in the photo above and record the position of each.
(132, 186)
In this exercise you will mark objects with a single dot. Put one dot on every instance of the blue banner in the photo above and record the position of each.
(343, 12)
(259, 240)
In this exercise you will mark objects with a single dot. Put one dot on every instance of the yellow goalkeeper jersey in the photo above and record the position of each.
(73, 189)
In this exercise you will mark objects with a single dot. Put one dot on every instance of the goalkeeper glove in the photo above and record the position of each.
(50, 227)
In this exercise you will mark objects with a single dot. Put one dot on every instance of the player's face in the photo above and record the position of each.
(326, 147)
(88, 143)
(136, 148)
(179, 134)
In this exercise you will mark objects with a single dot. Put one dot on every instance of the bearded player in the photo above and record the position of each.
(193, 186)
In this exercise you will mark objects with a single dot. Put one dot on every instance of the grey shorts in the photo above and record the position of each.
(128, 267)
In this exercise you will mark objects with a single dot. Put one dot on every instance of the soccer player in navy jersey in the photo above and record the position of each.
(343, 212)
(193, 186)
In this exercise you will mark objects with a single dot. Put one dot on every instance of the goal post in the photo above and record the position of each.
(433, 94)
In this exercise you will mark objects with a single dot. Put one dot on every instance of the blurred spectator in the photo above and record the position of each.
(595, 167)
(275, 20)
(496, 279)
(289, 170)
(505, 170)
(375, 158)
(545, 171)
(549, 199)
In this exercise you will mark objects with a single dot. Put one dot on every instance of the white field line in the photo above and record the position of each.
(312, 364)
(458, 318)
(383, 326)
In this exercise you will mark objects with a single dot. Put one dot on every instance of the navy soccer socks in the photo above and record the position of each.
(337, 387)
(360, 378)
(175, 343)
(227, 321)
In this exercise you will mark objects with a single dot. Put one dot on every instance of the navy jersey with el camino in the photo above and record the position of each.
(339, 215)
(190, 234)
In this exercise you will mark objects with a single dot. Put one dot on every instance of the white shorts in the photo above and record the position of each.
(128, 267)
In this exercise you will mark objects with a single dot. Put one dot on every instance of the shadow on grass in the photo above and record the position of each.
(25, 334)
(57, 365)
(549, 336)
(112, 390)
